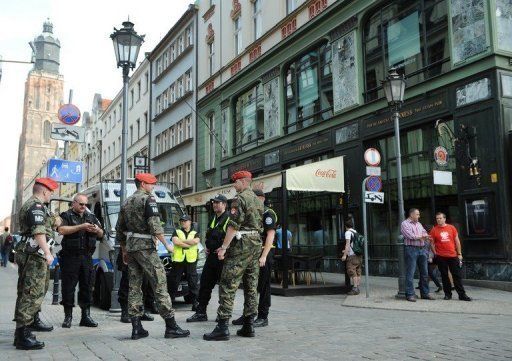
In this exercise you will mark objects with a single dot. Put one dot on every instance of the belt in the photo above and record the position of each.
(248, 232)
(138, 235)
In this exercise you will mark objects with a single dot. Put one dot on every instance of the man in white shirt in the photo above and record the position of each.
(353, 260)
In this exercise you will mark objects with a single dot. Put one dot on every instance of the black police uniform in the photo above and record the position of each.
(269, 223)
(212, 268)
(75, 260)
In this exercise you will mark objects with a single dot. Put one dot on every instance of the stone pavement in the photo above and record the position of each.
(301, 328)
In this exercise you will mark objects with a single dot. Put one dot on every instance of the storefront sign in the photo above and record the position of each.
(441, 156)
(410, 112)
(251, 164)
(443, 178)
(307, 147)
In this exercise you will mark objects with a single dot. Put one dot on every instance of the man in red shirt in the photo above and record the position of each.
(446, 246)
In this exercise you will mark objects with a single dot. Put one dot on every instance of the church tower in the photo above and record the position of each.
(44, 89)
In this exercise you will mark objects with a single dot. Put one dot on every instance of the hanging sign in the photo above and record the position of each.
(441, 156)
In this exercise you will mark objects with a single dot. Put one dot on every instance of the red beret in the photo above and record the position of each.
(48, 183)
(146, 178)
(241, 174)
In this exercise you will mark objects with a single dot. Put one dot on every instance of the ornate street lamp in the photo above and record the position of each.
(394, 88)
(126, 47)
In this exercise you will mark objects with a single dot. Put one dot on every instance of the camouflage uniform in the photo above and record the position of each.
(140, 215)
(241, 260)
(33, 272)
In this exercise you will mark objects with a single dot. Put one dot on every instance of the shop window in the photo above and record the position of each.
(308, 84)
(249, 120)
(409, 35)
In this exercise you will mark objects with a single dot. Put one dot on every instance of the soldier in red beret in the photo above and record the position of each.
(33, 256)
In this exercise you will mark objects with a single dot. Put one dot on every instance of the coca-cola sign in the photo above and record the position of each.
(326, 173)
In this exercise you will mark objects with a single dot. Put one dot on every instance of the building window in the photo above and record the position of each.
(157, 143)
(180, 132)
(172, 177)
(291, 5)
(171, 51)
(173, 94)
(165, 60)
(146, 123)
(180, 176)
(409, 35)
(138, 128)
(131, 134)
(48, 89)
(173, 136)
(188, 175)
(257, 19)
(158, 66)
(47, 129)
(211, 54)
(238, 35)
(188, 81)
(165, 139)
(113, 120)
(146, 82)
(188, 127)
(165, 100)
(180, 45)
(210, 145)
(120, 112)
(158, 105)
(308, 84)
(249, 119)
(47, 106)
(180, 87)
(188, 36)
(132, 98)
(138, 90)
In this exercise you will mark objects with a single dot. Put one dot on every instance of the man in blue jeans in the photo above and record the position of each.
(415, 237)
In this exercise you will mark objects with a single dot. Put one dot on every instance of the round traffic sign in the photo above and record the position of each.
(374, 184)
(372, 157)
(69, 114)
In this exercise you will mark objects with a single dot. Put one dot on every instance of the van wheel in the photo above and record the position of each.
(104, 292)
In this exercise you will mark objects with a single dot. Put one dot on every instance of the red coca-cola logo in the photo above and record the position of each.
(326, 173)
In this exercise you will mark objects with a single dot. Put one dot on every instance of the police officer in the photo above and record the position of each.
(81, 229)
(137, 226)
(122, 293)
(241, 248)
(184, 258)
(36, 222)
(266, 261)
(212, 268)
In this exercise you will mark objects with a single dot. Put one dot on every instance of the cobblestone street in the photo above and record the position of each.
(301, 328)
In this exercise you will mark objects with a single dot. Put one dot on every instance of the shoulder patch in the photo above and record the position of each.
(269, 221)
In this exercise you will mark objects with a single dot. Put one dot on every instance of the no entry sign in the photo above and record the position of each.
(372, 157)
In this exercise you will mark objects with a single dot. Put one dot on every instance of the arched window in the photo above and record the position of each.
(47, 129)
(308, 86)
(409, 35)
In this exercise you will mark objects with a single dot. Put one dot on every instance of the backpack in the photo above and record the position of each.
(357, 243)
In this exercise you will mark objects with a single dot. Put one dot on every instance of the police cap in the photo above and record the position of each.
(220, 198)
(185, 217)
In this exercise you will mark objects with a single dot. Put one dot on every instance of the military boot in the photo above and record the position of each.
(16, 337)
(220, 333)
(172, 330)
(198, 317)
(137, 330)
(146, 317)
(239, 321)
(39, 325)
(125, 317)
(25, 340)
(87, 320)
(68, 317)
(247, 329)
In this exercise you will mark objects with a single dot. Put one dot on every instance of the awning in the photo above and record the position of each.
(269, 181)
(322, 176)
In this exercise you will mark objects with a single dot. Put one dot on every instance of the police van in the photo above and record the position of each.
(104, 202)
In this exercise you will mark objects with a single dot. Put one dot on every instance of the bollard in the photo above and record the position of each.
(56, 276)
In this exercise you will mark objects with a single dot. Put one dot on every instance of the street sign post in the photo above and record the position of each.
(374, 197)
(68, 133)
(372, 157)
(65, 171)
(69, 114)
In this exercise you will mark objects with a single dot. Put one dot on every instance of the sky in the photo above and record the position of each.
(87, 59)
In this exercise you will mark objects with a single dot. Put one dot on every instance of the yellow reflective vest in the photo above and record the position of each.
(180, 253)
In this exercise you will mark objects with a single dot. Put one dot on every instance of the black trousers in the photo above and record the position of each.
(450, 263)
(122, 294)
(75, 269)
(190, 269)
(212, 270)
(264, 286)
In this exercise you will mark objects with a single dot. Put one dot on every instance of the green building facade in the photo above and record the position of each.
(317, 95)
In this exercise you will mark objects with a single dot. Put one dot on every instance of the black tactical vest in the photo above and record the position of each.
(80, 241)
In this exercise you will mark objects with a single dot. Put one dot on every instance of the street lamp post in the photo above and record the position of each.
(126, 47)
(394, 87)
